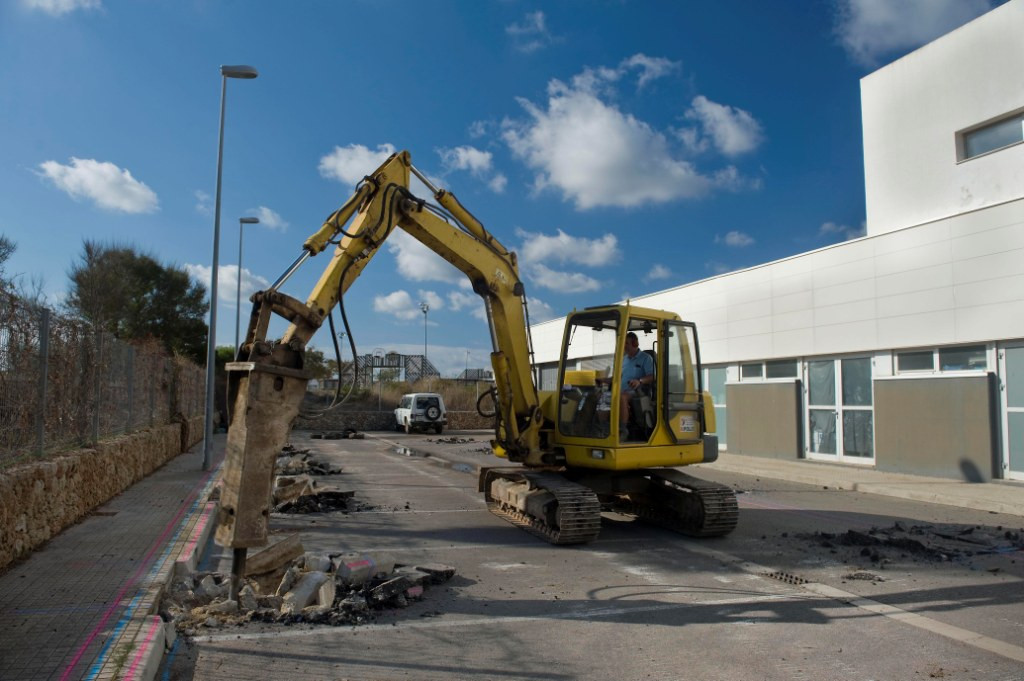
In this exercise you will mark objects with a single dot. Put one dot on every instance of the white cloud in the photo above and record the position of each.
(227, 282)
(735, 239)
(651, 68)
(479, 163)
(457, 301)
(658, 271)
(531, 34)
(269, 218)
(830, 229)
(399, 304)
(430, 298)
(564, 248)
(416, 262)
(498, 183)
(732, 131)
(871, 29)
(598, 155)
(466, 158)
(60, 7)
(203, 203)
(718, 267)
(104, 183)
(539, 310)
(564, 282)
(350, 164)
(478, 129)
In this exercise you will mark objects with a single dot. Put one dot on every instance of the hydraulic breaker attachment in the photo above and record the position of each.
(265, 400)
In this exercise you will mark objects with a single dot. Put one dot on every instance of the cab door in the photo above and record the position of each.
(682, 392)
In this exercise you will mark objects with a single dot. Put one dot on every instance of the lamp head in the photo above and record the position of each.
(239, 71)
(249, 221)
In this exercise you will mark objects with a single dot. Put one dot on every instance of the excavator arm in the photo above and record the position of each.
(267, 384)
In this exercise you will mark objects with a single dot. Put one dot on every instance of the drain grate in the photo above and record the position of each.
(787, 578)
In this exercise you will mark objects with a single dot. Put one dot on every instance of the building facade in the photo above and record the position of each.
(902, 349)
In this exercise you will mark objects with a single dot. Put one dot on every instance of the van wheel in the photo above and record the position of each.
(438, 428)
(398, 427)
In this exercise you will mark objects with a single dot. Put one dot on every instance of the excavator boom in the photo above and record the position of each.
(594, 443)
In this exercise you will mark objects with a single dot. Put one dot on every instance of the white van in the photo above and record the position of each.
(422, 411)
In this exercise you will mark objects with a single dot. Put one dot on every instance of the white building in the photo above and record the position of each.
(903, 349)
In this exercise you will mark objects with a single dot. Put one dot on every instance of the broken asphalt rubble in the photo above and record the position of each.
(926, 542)
(285, 584)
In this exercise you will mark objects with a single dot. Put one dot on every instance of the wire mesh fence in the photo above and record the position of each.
(64, 384)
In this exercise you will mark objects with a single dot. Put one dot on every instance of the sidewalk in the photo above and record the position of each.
(997, 497)
(83, 606)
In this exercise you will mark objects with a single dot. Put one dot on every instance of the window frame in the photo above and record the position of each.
(962, 136)
(936, 353)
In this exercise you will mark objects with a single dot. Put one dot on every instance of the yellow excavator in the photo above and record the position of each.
(572, 457)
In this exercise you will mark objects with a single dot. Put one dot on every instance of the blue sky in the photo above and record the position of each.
(620, 147)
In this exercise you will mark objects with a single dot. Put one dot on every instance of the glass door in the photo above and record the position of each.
(840, 412)
(822, 408)
(1013, 415)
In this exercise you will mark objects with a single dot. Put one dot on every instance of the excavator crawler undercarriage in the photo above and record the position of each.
(562, 511)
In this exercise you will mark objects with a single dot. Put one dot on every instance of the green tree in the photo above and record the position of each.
(316, 365)
(134, 297)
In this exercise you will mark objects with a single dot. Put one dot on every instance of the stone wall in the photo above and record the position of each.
(39, 499)
(385, 420)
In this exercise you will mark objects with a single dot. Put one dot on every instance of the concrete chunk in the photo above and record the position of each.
(325, 595)
(417, 576)
(357, 568)
(290, 488)
(274, 556)
(389, 589)
(208, 588)
(288, 581)
(303, 593)
(438, 572)
(317, 562)
(247, 598)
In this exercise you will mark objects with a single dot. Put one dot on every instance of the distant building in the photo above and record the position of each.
(476, 375)
(902, 349)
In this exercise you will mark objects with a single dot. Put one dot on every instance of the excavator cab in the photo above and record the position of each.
(667, 419)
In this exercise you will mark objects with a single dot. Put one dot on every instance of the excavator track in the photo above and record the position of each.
(684, 504)
(579, 511)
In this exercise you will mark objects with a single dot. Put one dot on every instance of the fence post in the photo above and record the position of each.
(44, 366)
(131, 388)
(98, 388)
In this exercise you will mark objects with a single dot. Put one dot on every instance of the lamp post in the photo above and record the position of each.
(226, 72)
(238, 295)
(425, 308)
(467, 365)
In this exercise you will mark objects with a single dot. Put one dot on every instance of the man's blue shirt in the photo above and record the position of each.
(639, 366)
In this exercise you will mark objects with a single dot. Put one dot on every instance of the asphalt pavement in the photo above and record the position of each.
(84, 605)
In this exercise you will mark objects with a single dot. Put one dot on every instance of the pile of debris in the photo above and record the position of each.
(936, 543)
(347, 434)
(295, 491)
(292, 461)
(284, 584)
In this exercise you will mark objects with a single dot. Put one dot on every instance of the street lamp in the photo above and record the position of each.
(238, 294)
(425, 308)
(245, 72)
(466, 376)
